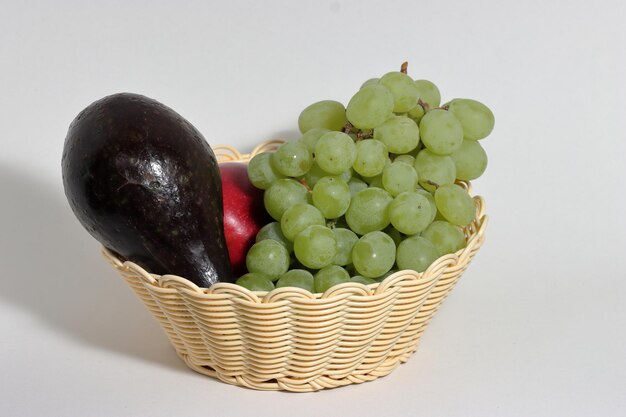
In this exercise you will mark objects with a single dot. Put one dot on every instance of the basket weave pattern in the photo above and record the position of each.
(289, 339)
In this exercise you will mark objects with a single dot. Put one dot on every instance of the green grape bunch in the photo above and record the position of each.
(369, 188)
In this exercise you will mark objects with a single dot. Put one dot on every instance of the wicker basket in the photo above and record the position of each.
(289, 339)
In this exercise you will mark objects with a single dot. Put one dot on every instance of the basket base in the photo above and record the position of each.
(302, 385)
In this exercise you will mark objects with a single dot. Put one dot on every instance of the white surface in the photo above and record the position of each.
(535, 327)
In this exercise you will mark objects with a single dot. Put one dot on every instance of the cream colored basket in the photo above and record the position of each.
(289, 339)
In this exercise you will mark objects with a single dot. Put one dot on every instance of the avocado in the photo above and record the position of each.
(145, 183)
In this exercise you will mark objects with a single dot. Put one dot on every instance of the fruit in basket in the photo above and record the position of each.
(441, 132)
(269, 258)
(261, 173)
(476, 118)
(370, 106)
(244, 214)
(292, 159)
(399, 133)
(371, 157)
(325, 114)
(145, 183)
(299, 278)
(417, 253)
(273, 231)
(433, 169)
(329, 276)
(410, 212)
(380, 192)
(399, 177)
(255, 281)
(332, 196)
(374, 254)
(429, 93)
(315, 247)
(470, 160)
(335, 152)
(446, 237)
(368, 210)
(298, 217)
(283, 194)
(346, 239)
(455, 205)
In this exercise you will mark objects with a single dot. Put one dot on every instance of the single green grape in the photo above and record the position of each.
(362, 280)
(299, 278)
(431, 200)
(455, 204)
(403, 89)
(410, 213)
(261, 173)
(292, 159)
(330, 276)
(268, 257)
(327, 114)
(371, 81)
(446, 237)
(346, 239)
(255, 281)
(416, 253)
(434, 168)
(316, 173)
(371, 157)
(356, 185)
(399, 133)
(331, 196)
(476, 118)
(335, 152)
(374, 254)
(298, 217)
(368, 210)
(429, 93)
(272, 231)
(470, 160)
(399, 177)
(406, 158)
(315, 247)
(311, 136)
(282, 194)
(441, 132)
(370, 106)
(416, 113)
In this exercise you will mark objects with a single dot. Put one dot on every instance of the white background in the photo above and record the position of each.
(534, 328)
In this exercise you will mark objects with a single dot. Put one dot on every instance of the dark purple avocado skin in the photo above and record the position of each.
(145, 183)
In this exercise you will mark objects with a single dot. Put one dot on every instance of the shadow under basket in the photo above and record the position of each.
(290, 339)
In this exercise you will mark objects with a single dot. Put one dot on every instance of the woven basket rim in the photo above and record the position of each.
(224, 153)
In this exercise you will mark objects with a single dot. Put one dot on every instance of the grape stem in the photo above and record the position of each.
(424, 105)
(305, 183)
(348, 128)
(364, 135)
(404, 67)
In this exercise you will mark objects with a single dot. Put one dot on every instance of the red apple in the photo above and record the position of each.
(244, 213)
